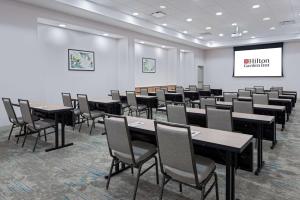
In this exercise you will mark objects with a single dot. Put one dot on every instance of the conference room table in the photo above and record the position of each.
(197, 117)
(170, 96)
(106, 105)
(288, 103)
(234, 150)
(149, 101)
(60, 113)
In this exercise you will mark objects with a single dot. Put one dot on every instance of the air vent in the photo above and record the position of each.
(205, 34)
(287, 22)
(158, 14)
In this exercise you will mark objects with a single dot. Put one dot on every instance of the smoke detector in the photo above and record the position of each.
(159, 14)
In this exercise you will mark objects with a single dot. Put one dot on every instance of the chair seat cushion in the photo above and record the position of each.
(139, 108)
(94, 114)
(42, 124)
(205, 167)
(142, 150)
(76, 111)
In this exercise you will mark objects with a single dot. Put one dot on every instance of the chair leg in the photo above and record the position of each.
(20, 133)
(26, 133)
(11, 130)
(180, 187)
(132, 170)
(203, 193)
(156, 170)
(216, 185)
(162, 187)
(88, 123)
(92, 126)
(80, 125)
(45, 135)
(37, 138)
(137, 182)
(110, 171)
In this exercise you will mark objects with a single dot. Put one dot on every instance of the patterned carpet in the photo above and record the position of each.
(77, 172)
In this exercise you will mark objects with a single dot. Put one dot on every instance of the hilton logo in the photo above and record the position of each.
(256, 62)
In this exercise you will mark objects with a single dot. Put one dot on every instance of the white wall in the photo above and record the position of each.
(54, 44)
(218, 70)
(161, 57)
(34, 57)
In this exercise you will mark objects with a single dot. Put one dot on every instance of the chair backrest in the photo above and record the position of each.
(219, 118)
(273, 94)
(250, 89)
(259, 89)
(26, 112)
(228, 96)
(261, 99)
(193, 88)
(244, 93)
(207, 101)
(118, 138)
(115, 95)
(206, 87)
(279, 89)
(10, 110)
(67, 99)
(242, 106)
(180, 90)
(131, 98)
(161, 96)
(83, 103)
(144, 91)
(177, 114)
(176, 152)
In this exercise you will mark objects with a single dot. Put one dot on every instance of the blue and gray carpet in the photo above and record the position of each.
(77, 172)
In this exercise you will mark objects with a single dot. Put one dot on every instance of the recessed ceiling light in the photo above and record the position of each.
(234, 24)
(62, 25)
(252, 37)
(200, 37)
(266, 19)
(272, 28)
(165, 24)
(221, 34)
(163, 46)
(162, 7)
(219, 13)
(189, 19)
(208, 28)
(135, 14)
(256, 6)
(245, 31)
(185, 32)
(142, 42)
(105, 34)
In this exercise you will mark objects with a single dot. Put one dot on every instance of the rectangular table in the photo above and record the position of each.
(274, 110)
(107, 105)
(149, 101)
(59, 113)
(231, 147)
(170, 96)
(196, 116)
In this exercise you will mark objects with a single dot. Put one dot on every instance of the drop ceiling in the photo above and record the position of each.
(261, 24)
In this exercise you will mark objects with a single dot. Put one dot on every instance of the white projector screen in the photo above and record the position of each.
(258, 61)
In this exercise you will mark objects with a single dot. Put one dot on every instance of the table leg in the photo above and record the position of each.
(259, 150)
(57, 146)
(230, 176)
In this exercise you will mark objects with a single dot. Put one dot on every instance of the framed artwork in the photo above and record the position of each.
(149, 65)
(79, 60)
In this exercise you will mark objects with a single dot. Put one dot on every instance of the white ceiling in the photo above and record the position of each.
(203, 13)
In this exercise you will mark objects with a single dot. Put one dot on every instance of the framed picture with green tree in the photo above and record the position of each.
(79, 60)
(149, 65)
